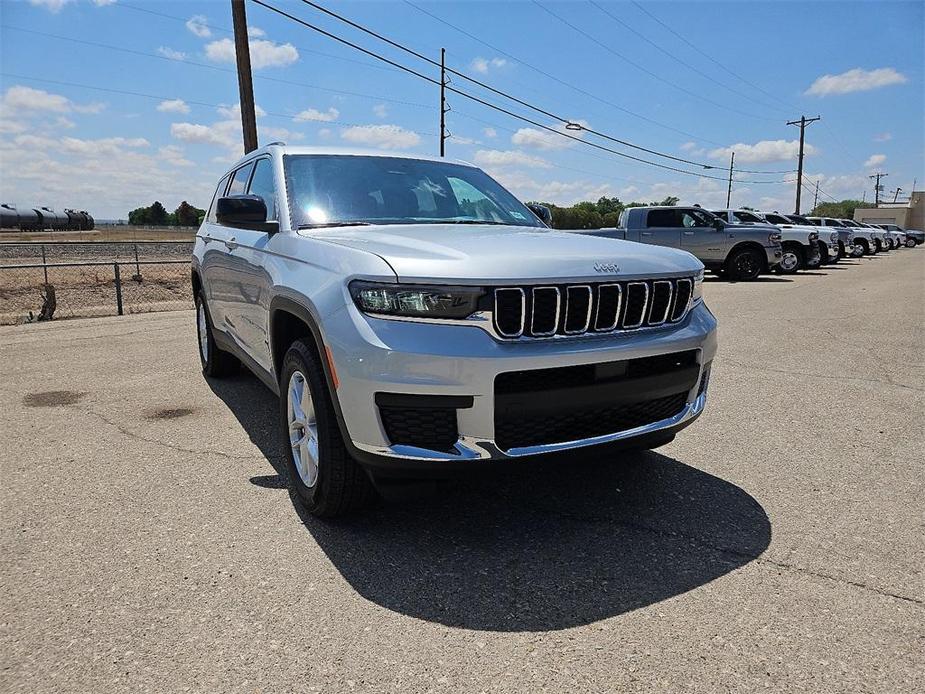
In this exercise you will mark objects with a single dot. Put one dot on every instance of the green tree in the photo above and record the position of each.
(840, 210)
(187, 215)
(157, 215)
(139, 215)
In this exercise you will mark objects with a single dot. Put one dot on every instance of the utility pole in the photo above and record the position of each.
(877, 187)
(732, 160)
(896, 193)
(245, 80)
(803, 122)
(443, 108)
(816, 196)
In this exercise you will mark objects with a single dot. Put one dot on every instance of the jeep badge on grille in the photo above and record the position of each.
(610, 268)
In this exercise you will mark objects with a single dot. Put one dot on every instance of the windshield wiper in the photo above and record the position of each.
(465, 221)
(325, 225)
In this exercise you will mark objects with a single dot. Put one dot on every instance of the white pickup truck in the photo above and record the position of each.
(800, 244)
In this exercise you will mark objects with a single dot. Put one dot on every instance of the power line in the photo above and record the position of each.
(560, 81)
(568, 123)
(706, 55)
(265, 78)
(682, 61)
(161, 97)
(483, 101)
(643, 68)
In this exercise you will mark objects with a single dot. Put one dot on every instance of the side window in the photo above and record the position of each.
(219, 192)
(262, 185)
(239, 180)
(691, 219)
(662, 218)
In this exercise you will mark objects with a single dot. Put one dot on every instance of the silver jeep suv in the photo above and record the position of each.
(414, 316)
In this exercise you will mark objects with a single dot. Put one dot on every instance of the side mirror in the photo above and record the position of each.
(541, 211)
(719, 224)
(244, 212)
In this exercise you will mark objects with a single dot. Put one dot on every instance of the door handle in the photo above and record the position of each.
(230, 244)
(688, 233)
(646, 233)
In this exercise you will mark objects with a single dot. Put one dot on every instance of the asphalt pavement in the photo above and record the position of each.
(149, 544)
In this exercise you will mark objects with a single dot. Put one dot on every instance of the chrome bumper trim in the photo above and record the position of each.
(469, 448)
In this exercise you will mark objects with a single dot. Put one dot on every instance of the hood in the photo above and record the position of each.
(475, 254)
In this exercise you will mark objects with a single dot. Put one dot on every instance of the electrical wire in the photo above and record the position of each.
(646, 70)
(565, 121)
(480, 100)
(560, 81)
(681, 61)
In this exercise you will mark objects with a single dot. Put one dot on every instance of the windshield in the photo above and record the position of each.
(800, 220)
(833, 223)
(777, 219)
(327, 190)
(849, 223)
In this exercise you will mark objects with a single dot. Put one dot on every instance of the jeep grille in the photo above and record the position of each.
(594, 308)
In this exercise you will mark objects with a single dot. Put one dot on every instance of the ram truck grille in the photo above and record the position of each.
(593, 308)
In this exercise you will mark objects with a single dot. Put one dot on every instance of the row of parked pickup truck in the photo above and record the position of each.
(744, 244)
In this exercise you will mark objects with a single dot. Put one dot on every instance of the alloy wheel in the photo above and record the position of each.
(303, 428)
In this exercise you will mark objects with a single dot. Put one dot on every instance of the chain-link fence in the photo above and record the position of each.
(116, 280)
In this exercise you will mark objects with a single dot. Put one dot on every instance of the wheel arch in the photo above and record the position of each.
(750, 245)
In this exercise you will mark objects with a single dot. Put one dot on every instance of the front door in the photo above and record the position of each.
(701, 238)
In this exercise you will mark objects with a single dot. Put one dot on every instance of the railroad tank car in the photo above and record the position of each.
(9, 217)
(56, 220)
(12, 217)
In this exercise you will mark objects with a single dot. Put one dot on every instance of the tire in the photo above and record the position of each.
(745, 264)
(878, 246)
(216, 362)
(793, 259)
(910, 243)
(864, 245)
(323, 476)
(841, 250)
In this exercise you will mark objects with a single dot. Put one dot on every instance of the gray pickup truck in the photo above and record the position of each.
(741, 252)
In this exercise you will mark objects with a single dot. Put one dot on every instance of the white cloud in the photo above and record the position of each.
(856, 80)
(174, 155)
(51, 5)
(263, 53)
(234, 112)
(325, 133)
(198, 25)
(173, 106)
(381, 110)
(381, 136)
(495, 157)
(255, 32)
(763, 151)
(103, 3)
(483, 65)
(883, 137)
(688, 146)
(546, 140)
(65, 123)
(313, 114)
(463, 140)
(489, 132)
(874, 161)
(19, 98)
(197, 133)
(171, 53)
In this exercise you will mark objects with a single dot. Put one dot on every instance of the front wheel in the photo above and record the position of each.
(791, 260)
(326, 480)
(745, 264)
(910, 243)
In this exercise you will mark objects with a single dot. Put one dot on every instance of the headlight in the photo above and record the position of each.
(416, 301)
(834, 237)
(813, 236)
(774, 238)
(697, 294)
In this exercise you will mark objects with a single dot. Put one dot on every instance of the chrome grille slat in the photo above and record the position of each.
(597, 312)
(569, 310)
(655, 320)
(555, 321)
(574, 289)
(645, 304)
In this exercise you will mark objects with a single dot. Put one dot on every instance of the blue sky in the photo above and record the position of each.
(743, 70)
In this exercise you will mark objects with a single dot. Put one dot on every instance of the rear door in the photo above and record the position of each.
(213, 251)
(662, 228)
(701, 238)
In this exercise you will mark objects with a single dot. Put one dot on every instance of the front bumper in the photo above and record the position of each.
(813, 255)
(774, 255)
(374, 355)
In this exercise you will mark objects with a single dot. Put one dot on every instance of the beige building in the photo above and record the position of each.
(909, 215)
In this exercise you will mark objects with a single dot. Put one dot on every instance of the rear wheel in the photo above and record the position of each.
(745, 264)
(216, 362)
(324, 477)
